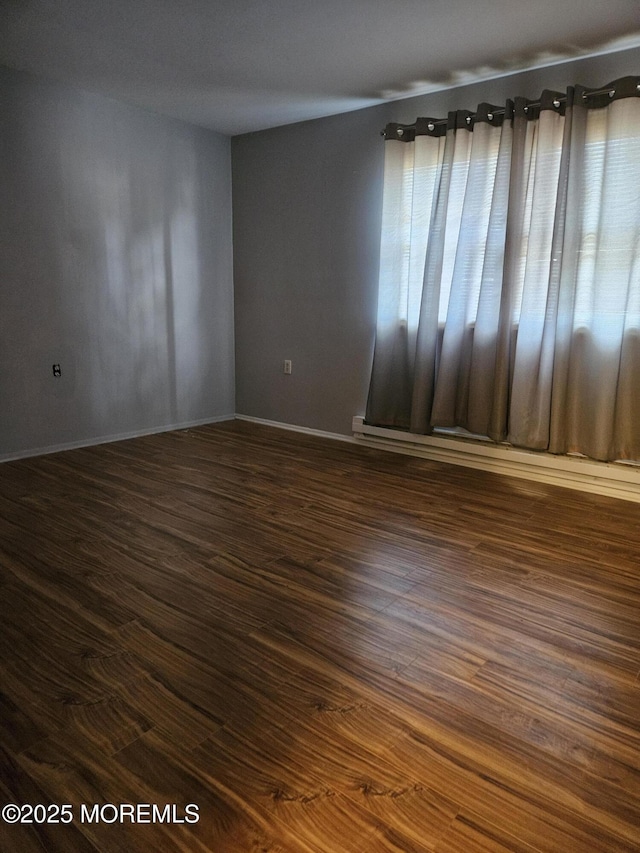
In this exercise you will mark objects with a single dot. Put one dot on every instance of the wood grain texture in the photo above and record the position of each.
(326, 648)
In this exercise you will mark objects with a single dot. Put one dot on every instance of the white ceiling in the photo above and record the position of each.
(242, 65)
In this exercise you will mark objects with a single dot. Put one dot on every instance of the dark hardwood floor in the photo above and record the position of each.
(323, 647)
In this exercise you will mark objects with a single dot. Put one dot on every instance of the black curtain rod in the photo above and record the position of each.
(500, 111)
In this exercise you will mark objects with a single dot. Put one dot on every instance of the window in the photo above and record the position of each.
(510, 274)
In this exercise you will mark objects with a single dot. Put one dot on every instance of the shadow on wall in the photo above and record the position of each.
(108, 271)
(146, 279)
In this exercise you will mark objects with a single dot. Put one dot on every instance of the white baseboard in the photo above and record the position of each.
(107, 439)
(602, 478)
(336, 436)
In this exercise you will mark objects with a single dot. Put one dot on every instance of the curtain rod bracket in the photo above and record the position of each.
(621, 88)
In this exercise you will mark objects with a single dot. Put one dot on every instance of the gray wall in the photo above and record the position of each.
(306, 225)
(307, 210)
(116, 262)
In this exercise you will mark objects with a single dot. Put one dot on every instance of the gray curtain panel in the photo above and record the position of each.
(510, 274)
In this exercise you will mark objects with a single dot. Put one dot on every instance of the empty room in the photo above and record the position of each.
(319, 426)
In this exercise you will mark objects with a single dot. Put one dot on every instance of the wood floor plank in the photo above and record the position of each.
(514, 799)
(328, 649)
(499, 741)
(17, 786)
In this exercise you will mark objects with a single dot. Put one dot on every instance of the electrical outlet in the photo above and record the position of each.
(57, 371)
(287, 366)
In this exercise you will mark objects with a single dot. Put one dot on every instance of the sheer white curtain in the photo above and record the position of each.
(510, 262)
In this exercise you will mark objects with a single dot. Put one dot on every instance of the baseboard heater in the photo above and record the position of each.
(614, 479)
